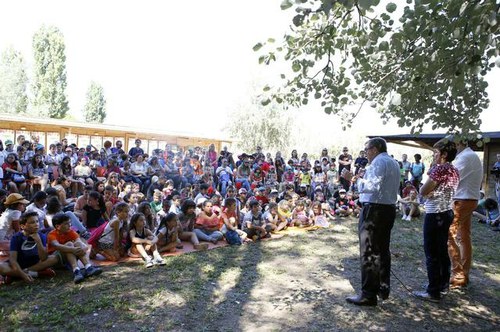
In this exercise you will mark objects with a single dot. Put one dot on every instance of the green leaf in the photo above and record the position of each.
(257, 47)
(391, 7)
(271, 40)
(296, 67)
(266, 102)
(365, 4)
(286, 4)
(266, 88)
(383, 46)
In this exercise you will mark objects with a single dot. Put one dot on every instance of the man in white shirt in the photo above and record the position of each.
(464, 203)
(378, 190)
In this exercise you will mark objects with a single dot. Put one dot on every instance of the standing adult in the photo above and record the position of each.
(378, 194)
(345, 161)
(464, 203)
(406, 166)
(438, 191)
(136, 150)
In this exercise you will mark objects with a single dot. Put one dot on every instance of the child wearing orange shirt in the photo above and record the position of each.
(67, 245)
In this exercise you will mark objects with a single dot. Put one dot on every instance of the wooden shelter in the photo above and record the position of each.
(49, 131)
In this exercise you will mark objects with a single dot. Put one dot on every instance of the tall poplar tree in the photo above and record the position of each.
(95, 106)
(49, 85)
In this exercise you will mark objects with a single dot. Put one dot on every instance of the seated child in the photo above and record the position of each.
(342, 207)
(299, 215)
(492, 216)
(143, 242)
(254, 224)
(187, 219)
(206, 227)
(110, 243)
(231, 218)
(317, 216)
(28, 256)
(273, 220)
(284, 212)
(168, 233)
(409, 206)
(66, 244)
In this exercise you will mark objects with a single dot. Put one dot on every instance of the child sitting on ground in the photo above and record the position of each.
(317, 216)
(28, 256)
(67, 245)
(168, 233)
(272, 218)
(285, 212)
(342, 206)
(110, 243)
(143, 242)
(492, 216)
(230, 217)
(300, 217)
(409, 206)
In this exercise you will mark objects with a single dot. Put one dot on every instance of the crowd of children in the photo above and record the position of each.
(115, 204)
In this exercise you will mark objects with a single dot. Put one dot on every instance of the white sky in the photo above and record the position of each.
(176, 65)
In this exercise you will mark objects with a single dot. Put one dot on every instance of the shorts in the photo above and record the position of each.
(104, 246)
(61, 258)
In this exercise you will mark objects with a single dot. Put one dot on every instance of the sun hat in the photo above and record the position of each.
(15, 198)
(8, 142)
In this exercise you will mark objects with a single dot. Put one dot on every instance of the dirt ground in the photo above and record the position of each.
(296, 283)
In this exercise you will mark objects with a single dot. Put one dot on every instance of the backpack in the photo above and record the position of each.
(232, 237)
(96, 234)
(417, 169)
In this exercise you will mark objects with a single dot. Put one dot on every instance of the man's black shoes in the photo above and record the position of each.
(383, 293)
(362, 301)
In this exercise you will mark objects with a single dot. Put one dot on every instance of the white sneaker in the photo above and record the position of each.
(149, 262)
(159, 261)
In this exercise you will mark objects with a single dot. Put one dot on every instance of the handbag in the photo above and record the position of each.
(18, 178)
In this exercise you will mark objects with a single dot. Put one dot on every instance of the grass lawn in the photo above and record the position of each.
(298, 282)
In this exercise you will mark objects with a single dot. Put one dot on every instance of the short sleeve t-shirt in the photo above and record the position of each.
(62, 238)
(208, 221)
(94, 217)
(255, 220)
(168, 233)
(26, 247)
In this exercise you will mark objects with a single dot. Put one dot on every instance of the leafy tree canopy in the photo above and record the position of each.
(95, 107)
(50, 83)
(417, 61)
(13, 82)
(261, 126)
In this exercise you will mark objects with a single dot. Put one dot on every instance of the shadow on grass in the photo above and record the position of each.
(295, 283)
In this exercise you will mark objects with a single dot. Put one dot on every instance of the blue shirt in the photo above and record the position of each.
(380, 184)
(26, 247)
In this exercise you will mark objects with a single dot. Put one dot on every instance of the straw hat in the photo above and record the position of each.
(15, 198)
